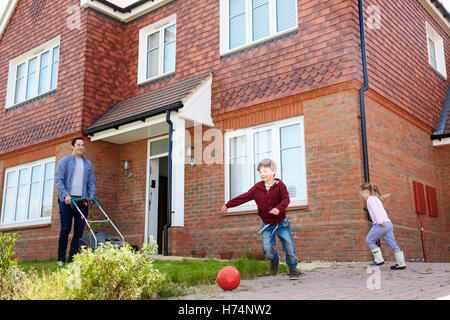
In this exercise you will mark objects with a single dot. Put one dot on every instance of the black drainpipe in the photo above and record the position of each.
(361, 92)
(361, 101)
(169, 188)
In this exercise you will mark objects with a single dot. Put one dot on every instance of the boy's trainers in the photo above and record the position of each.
(294, 274)
(60, 263)
(274, 268)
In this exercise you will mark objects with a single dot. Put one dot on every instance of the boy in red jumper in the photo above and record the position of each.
(272, 198)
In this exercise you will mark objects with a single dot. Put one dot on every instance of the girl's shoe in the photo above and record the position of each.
(400, 259)
(397, 267)
(378, 257)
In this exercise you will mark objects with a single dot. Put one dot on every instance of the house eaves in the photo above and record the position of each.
(10, 7)
(123, 13)
(438, 12)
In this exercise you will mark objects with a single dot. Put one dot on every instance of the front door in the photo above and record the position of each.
(157, 190)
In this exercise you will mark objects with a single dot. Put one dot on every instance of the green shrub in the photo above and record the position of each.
(7, 252)
(108, 273)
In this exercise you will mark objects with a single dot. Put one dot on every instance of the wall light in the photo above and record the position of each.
(126, 167)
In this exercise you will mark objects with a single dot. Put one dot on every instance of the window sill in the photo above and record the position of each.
(26, 225)
(438, 73)
(255, 211)
(161, 78)
(260, 42)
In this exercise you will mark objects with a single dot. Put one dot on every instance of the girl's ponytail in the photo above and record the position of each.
(374, 190)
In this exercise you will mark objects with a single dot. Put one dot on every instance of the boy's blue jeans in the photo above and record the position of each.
(283, 231)
(387, 233)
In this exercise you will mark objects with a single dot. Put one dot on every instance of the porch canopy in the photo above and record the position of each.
(144, 117)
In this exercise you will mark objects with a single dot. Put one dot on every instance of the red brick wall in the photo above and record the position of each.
(397, 58)
(103, 80)
(52, 116)
(399, 153)
(323, 52)
(332, 227)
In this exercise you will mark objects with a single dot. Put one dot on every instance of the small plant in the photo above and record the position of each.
(7, 241)
(199, 252)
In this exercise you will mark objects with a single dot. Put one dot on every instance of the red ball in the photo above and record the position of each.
(228, 278)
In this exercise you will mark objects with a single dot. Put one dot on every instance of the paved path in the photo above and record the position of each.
(341, 281)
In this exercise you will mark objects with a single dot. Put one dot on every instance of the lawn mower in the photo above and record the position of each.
(93, 239)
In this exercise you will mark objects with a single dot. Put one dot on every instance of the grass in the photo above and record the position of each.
(40, 266)
(182, 274)
(199, 272)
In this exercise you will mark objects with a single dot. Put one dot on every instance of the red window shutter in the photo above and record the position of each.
(432, 201)
(419, 198)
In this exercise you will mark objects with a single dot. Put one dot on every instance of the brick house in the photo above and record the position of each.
(230, 82)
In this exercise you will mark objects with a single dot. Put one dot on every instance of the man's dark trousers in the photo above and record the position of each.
(67, 214)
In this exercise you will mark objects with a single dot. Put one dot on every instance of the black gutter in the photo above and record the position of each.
(120, 9)
(361, 92)
(137, 117)
(440, 136)
(169, 188)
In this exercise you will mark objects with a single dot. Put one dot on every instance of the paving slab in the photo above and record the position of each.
(341, 281)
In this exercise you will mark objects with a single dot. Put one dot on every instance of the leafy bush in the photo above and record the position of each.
(7, 252)
(108, 273)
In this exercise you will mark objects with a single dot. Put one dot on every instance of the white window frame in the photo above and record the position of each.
(143, 38)
(25, 58)
(28, 222)
(224, 26)
(439, 50)
(276, 156)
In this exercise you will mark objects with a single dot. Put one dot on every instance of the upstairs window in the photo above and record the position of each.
(436, 54)
(33, 74)
(247, 22)
(157, 48)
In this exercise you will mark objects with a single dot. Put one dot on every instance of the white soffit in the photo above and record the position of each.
(127, 16)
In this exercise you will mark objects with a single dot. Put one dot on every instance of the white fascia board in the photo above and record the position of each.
(441, 142)
(124, 17)
(7, 14)
(128, 127)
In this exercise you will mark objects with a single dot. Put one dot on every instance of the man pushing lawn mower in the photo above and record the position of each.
(74, 178)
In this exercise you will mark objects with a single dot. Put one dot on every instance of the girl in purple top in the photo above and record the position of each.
(382, 226)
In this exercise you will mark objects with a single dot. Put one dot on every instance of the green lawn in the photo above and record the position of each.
(183, 273)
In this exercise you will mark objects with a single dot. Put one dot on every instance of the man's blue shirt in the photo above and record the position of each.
(64, 175)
